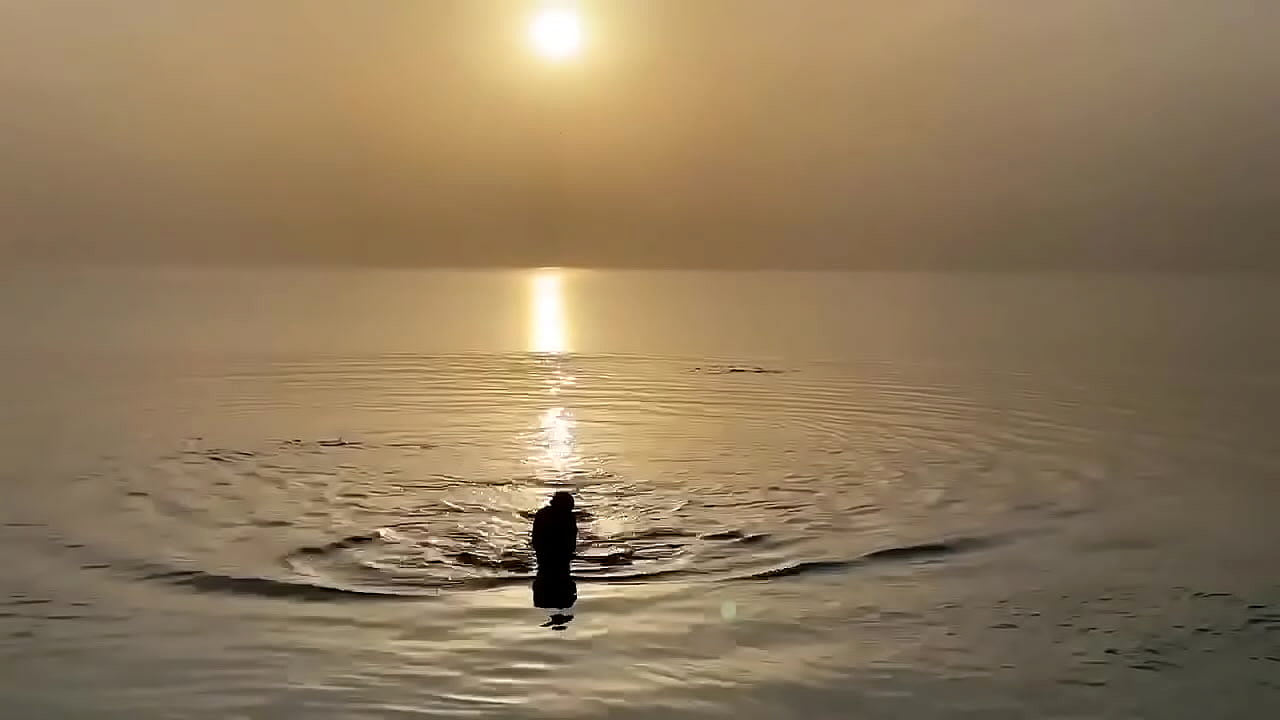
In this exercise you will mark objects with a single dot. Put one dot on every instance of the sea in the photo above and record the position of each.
(306, 493)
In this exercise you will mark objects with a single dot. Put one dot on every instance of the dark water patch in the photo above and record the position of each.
(19, 602)
(737, 370)
(723, 535)
(339, 443)
(616, 560)
(272, 523)
(326, 443)
(290, 589)
(346, 543)
(1153, 665)
(737, 536)
(803, 568)
(357, 540)
(659, 533)
(221, 455)
(1084, 682)
(411, 445)
(906, 553)
(506, 564)
(912, 552)
(274, 455)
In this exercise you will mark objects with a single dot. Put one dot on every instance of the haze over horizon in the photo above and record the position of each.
(689, 133)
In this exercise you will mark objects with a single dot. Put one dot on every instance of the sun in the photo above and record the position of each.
(556, 33)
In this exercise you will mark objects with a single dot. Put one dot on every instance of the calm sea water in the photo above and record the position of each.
(306, 494)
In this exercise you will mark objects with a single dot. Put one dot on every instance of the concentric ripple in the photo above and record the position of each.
(409, 476)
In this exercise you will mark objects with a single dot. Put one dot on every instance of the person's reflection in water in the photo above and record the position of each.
(554, 540)
(557, 594)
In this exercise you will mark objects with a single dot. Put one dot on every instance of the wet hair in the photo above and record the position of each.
(562, 499)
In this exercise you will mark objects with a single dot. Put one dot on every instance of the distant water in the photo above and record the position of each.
(307, 494)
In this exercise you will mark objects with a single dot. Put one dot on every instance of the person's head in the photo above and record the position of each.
(562, 501)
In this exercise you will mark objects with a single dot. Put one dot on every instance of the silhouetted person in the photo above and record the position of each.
(555, 538)
(555, 535)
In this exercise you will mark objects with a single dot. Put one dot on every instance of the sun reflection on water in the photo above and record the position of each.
(548, 331)
(556, 454)
(557, 440)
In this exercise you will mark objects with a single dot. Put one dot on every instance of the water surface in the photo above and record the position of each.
(285, 494)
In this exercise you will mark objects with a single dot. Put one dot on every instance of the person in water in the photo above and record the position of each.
(555, 535)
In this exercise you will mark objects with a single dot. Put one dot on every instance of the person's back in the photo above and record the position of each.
(555, 535)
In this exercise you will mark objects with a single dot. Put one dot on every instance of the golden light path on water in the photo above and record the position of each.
(556, 456)
(549, 339)
(548, 332)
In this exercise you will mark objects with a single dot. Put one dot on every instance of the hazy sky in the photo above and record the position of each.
(804, 133)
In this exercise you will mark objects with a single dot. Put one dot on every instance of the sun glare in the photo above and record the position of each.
(556, 33)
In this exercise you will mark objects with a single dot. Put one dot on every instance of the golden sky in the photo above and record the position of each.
(774, 133)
